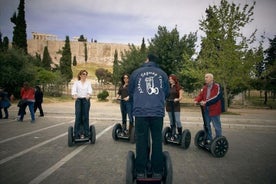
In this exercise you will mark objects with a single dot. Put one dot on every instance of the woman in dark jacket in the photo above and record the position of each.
(38, 100)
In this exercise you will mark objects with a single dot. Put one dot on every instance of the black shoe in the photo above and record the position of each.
(157, 176)
(140, 175)
(41, 115)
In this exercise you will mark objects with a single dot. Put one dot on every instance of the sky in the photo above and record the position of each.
(125, 21)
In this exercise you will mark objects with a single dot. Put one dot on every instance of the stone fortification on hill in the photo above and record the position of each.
(102, 53)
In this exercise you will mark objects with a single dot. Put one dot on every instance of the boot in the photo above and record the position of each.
(124, 126)
(129, 129)
(179, 129)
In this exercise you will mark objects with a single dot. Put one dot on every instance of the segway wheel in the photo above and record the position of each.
(132, 135)
(166, 134)
(219, 146)
(70, 136)
(199, 138)
(130, 167)
(168, 174)
(186, 139)
(92, 134)
(116, 129)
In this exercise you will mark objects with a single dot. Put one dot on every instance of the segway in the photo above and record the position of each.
(218, 146)
(131, 175)
(120, 132)
(170, 136)
(73, 139)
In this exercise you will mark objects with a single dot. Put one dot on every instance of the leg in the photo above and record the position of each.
(86, 108)
(208, 126)
(156, 126)
(78, 117)
(31, 109)
(6, 113)
(124, 113)
(217, 125)
(178, 122)
(39, 105)
(141, 131)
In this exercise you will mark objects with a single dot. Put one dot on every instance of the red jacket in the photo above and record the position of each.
(214, 101)
(28, 94)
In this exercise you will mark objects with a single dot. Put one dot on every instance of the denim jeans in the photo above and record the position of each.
(216, 123)
(177, 119)
(126, 109)
(30, 105)
(142, 127)
(82, 107)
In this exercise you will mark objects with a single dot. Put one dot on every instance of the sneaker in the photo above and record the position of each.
(208, 142)
(32, 121)
(41, 115)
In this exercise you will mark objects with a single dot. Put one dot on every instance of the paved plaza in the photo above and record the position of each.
(38, 152)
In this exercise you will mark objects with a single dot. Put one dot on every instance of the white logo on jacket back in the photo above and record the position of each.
(149, 83)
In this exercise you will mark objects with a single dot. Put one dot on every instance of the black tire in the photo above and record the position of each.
(168, 170)
(186, 139)
(199, 137)
(70, 136)
(130, 168)
(132, 136)
(92, 137)
(165, 134)
(219, 147)
(116, 129)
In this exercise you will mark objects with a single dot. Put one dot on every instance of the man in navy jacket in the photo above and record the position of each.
(148, 88)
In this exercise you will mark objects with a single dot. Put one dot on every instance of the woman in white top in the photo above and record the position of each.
(81, 92)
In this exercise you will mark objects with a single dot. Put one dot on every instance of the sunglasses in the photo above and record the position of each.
(84, 74)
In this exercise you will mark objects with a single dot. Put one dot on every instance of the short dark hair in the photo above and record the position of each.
(152, 57)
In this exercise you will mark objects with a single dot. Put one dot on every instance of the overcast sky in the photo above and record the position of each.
(123, 21)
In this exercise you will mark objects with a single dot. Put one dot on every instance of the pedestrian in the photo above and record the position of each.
(173, 105)
(210, 97)
(125, 104)
(4, 103)
(81, 92)
(27, 99)
(38, 101)
(148, 88)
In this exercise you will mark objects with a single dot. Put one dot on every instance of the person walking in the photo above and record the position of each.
(28, 98)
(210, 97)
(38, 101)
(4, 103)
(148, 88)
(125, 103)
(173, 105)
(81, 92)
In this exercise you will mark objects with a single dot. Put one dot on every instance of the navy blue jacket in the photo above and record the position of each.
(148, 88)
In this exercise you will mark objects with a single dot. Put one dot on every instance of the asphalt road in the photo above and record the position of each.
(38, 152)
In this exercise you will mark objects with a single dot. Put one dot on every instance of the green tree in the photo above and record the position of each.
(116, 71)
(19, 30)
(170, 48)
(85, 52)
(74, 61)
(224, 47)
(103, 75)
(66, 61)
(270, 67)
(47, 60)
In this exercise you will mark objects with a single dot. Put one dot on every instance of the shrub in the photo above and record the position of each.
(103, 95)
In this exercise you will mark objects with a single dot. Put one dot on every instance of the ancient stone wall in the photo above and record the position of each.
(102, 53)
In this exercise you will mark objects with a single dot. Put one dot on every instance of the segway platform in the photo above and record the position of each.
(118, 133)
(183, 140)
(218, 147)
(131, 175)
(72, 139)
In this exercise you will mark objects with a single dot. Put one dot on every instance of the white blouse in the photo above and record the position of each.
(82, 90)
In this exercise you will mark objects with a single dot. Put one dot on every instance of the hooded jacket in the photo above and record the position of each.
(214, 102)
(148, 88)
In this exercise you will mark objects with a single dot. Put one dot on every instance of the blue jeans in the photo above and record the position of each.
(142, 127)
(177, 119)
(216, 123)
(82, 107)
(31, 109)
(126, 109)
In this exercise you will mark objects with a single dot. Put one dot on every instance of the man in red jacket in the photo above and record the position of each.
(211, 98)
